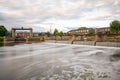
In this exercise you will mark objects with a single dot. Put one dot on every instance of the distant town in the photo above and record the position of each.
(110, 34)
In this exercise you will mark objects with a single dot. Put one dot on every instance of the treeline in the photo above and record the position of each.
(115, 26)
(3, 31)
(57, 33)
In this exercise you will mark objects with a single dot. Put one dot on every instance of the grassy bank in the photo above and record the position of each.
(1, 39)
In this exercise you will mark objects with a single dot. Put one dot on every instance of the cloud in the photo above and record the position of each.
(40, 11)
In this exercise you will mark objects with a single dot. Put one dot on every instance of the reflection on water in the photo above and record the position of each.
(7, 44)
(53, 61)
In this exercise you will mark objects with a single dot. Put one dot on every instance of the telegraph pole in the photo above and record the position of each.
(50, 29)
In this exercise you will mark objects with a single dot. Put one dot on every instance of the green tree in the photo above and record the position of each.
(3, 30)
(115, 26)
(81, 28)
(75, 34)
(48, 33)
(61, 33)
(55, 32)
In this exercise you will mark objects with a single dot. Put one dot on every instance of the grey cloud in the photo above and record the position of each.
(64, 9)
(38, 11)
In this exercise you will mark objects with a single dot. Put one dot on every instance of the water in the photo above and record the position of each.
(54, 61)
(109, 44)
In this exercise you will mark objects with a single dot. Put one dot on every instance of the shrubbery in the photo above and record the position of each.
(1, 38)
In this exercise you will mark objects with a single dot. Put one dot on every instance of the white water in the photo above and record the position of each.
(53, 61)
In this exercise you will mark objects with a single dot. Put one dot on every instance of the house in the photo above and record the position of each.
(23, 34)
(103, 30)
(86, 31)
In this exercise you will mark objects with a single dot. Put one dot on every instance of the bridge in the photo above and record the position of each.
(14, 31)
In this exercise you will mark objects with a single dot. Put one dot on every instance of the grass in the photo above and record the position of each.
(1, 38)
(34, 37)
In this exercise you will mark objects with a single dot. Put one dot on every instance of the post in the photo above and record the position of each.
(4, 39)
(72, 40)
(40, 39)
(81, 38)
(55, 39)
(96, 38)
(31, 34)
(95, 43)
(104, 38)
(27, 40)
(13, 33)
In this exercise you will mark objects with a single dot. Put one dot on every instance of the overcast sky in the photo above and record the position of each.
(61, 14)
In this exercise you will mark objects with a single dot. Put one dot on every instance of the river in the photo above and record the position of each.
(55, 61)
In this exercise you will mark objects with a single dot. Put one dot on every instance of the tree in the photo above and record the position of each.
(48, 33)
(115, 26)
(61, 33)
(55, 32)
(75, 34)
(3, 30)
(81, 28)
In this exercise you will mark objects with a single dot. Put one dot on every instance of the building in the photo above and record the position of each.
(81, 32)
(36, 34)
(103, 30)
(41, 34)
(101, 33)
(23, 34)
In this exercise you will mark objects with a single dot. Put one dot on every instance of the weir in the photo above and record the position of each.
(14, 31)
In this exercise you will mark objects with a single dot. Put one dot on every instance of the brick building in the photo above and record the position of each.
(86, 31)
(103, 30)
(23, 34)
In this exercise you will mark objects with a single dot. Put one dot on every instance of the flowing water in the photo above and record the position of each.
(54, 61)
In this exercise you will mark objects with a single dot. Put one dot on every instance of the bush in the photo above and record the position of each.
(1, 38)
